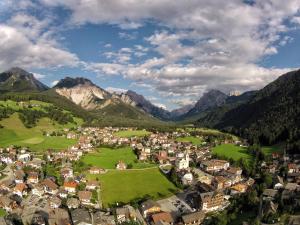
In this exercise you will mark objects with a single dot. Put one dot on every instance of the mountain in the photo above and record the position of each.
(107, 108)
(18, 80)
(82, 92)
(177, 113)
(144, 104)
(271, 115)
(210, 100)
(213, 116)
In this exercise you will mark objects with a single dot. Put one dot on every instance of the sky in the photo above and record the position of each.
(170, 51)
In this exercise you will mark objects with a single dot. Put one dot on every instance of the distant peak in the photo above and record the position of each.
(18, 70)
(71, 82)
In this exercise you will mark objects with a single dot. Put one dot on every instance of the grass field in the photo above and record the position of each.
(124, 186)
(193, 140)
(231, 151)
(107, 158)
(2, 212)
(268, 150)
(131, 133)
(15, 133)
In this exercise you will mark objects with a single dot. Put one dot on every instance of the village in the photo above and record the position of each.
(53, 188)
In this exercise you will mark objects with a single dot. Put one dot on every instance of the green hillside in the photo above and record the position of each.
(15, 133)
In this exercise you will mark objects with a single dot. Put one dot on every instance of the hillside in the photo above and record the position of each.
(271, 116)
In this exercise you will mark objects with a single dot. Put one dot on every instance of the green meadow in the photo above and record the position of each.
(191, 139)
(15, 133)
(131, 133)
(268, 150)
(232, 151)
(125, 186)
(107, 158)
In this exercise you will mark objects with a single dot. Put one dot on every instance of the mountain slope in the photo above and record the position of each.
(82, 92)
(212, 117)
(18, 80)
(106, 108)
(209, 100)
(272, 115)
(147, 106)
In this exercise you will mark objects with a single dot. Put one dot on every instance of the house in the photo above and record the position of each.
(195, 218)
(70, 186)
(33, 178)
(24, 157)
(102, 218)
(218, 182)
(50, 187)
(66, 172)
(270, 194)
(85, 197)
(38, 190)
(125, 214)
(96, 170)
(81, 217)
(121, 166)
(187, 179)
(7, 204)
(149, 207)
(214, 165)
(202, 177)
(19, 176)
(73, 203)
(54, 202)
(20, 189)
(211, 201)
(238, 188)
(164, 217)
(91, 185)
(278, 183)
(59, 216)
(292, 168)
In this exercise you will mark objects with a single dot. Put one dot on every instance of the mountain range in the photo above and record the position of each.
(267, 115)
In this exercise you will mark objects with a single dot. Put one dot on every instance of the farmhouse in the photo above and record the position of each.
(121, 166)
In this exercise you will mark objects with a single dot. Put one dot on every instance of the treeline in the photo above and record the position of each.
(271, 116)
(50, 97)
(5, 112)
(31, 117)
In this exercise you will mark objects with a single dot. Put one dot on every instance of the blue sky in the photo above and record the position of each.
(169, 51)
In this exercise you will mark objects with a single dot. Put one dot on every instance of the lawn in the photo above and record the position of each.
(124, 186)
(2, 212)
(132, 133)
(15, 133)
(192, 139)
(232, 151)
(268, 150)
(107, 158)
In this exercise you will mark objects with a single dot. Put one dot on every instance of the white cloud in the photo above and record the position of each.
(127, 36)
(107, 45)
(115, 90)
(53, 83)
(39, 76)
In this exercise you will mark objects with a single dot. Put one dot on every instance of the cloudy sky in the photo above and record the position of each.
(171, 51)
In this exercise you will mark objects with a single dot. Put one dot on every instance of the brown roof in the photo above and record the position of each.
(190, 218)
(85, 195)
(50, 184)
(162, 216)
